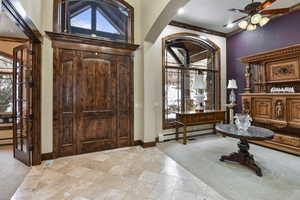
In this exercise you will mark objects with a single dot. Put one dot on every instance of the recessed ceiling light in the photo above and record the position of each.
(180, 11)
(230, 25)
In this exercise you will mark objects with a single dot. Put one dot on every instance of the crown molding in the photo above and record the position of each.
(196, 28)
(272, 55)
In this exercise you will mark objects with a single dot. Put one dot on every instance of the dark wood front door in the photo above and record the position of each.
(22, 103)
(96, 102)
(92, 102)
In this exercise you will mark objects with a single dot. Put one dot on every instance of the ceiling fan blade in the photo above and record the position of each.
(265, 4)
(236, 20)
(239, 19)
(275, 11)
(238, 10)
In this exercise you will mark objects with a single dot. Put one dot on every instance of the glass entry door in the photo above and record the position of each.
(22, 103)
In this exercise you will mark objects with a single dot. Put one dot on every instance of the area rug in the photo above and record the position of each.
(281, 171)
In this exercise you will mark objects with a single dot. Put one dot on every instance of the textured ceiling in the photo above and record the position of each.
(213, 14)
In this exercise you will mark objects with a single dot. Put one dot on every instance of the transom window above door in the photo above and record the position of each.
(110, 19)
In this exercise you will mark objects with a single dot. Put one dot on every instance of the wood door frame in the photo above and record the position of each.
(12, 8)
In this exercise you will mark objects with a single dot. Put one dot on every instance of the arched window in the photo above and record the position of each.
(190, 71)
(110, 19)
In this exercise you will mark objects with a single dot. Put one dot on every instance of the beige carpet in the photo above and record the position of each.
(281, 180)
(12, 173)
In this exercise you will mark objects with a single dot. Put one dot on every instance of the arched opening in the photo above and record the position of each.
(191, 75)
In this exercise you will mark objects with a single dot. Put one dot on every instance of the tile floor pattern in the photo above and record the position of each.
(124, 174)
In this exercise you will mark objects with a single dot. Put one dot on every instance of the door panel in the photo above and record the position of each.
(67, 138)
(293, 110)
(96, 102)
(262, 108)
(125, 101)
(64, 111)
(22, 103)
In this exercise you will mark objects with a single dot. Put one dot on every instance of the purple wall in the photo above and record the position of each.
(278, 33)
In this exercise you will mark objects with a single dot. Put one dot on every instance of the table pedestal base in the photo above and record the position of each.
(243, 157)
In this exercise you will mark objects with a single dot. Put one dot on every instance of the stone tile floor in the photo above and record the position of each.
(123, 174)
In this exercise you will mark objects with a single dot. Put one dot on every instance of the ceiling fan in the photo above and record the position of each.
(256, 15)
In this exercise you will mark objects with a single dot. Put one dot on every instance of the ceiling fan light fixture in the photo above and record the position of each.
(251, 27)
(264, 21)
(243, 24)
(255, 19)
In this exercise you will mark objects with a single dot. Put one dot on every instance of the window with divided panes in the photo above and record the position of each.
(110, 19)
(188, 61)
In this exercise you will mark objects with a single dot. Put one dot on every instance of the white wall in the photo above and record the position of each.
(32, 9)
(153, 80)
(151, 11)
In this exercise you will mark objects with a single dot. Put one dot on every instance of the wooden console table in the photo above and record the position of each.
(186, 119)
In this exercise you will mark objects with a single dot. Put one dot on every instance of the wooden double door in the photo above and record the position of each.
(92, 101)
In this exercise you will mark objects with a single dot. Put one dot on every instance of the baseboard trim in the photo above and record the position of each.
(50, 156)
(148, 144)
(145, 144)
(47, 156)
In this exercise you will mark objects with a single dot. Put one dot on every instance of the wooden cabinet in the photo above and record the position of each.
(280, 112)
(93, 96)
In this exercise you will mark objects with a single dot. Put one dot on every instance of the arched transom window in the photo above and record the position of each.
(110, 19)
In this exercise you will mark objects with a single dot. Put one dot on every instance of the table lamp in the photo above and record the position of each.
(232, 85)
(199, 85)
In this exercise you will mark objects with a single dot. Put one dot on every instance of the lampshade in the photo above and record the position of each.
(264, 21)
(199, 83)
(243, 24)
(232, 84)
(255, 19)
